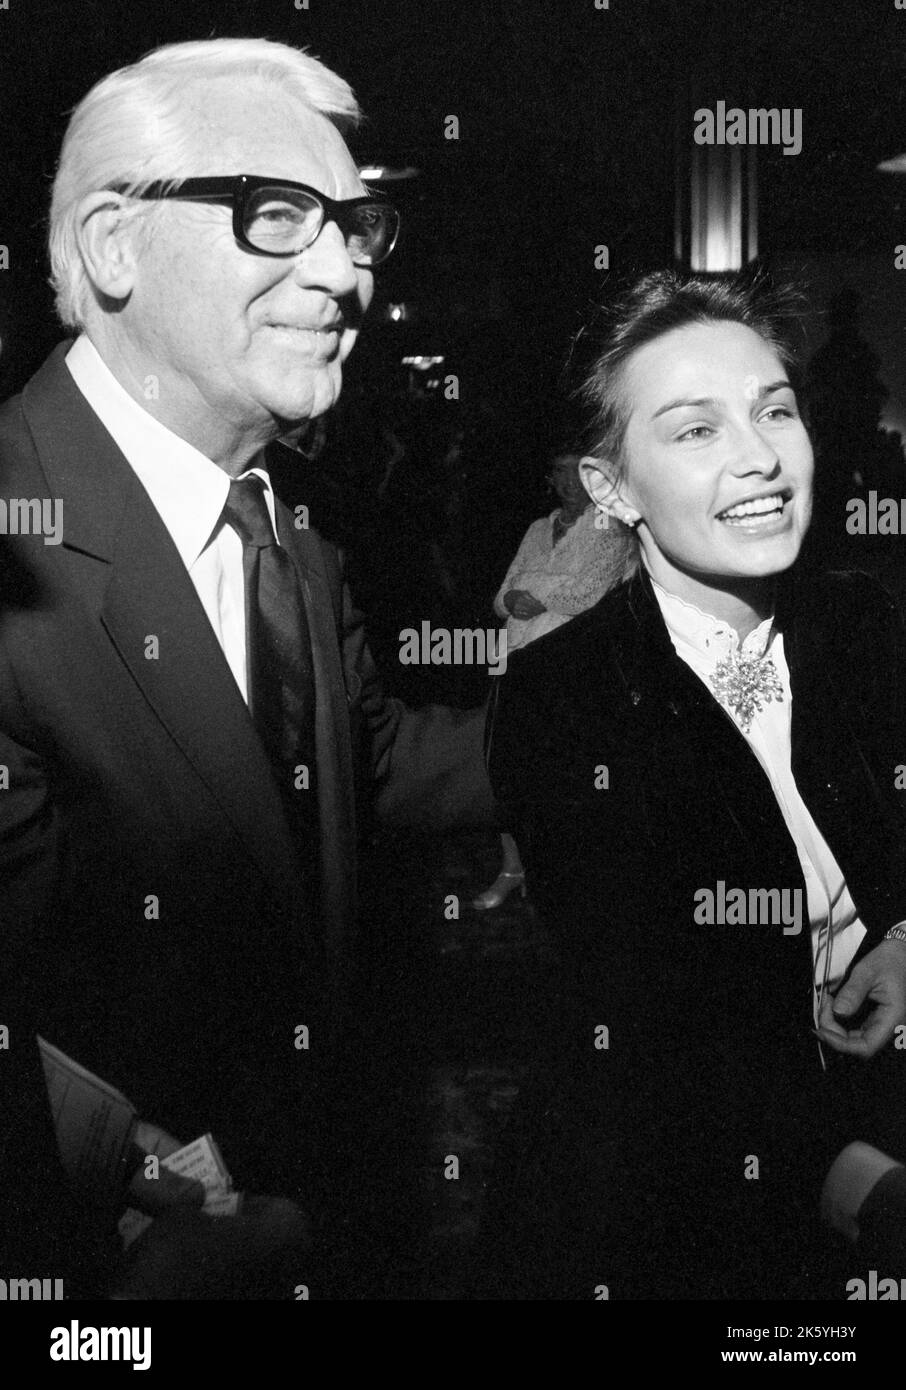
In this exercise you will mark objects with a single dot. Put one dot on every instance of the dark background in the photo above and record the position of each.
(570, 123)
(571, 120)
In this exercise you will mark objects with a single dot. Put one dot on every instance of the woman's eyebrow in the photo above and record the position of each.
(782, 385)
(712, 401)
(688, 400)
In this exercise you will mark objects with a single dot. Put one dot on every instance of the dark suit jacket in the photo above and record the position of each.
(710, 1057)
(136, 779)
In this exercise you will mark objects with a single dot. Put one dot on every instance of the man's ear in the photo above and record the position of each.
(106, 236)
(600, 480)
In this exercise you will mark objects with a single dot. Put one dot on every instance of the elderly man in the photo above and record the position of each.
(188, 711)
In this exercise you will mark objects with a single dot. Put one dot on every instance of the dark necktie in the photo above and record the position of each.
(281, 691)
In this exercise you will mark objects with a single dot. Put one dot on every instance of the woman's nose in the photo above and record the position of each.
(756, 451)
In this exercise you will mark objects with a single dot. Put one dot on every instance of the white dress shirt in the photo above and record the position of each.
(702, 641)
(189, 493)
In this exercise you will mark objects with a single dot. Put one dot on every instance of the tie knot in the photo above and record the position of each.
(247, 513)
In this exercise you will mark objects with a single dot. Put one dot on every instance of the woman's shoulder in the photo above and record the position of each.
(831, 596)
(536, 535)
(541, 526)
(846, 620)
(586, 628)
(559, 657)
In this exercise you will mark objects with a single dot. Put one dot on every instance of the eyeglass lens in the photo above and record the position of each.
(282, 220)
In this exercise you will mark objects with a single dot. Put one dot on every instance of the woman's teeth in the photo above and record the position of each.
(759, 506)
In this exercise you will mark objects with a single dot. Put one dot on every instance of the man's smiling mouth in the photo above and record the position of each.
(335, 326)
(317, 343)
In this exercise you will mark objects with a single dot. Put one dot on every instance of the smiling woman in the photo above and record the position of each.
(748, 719)
(713, 465)
(717, 467)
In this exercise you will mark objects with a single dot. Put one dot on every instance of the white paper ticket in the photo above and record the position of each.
(200, 1161)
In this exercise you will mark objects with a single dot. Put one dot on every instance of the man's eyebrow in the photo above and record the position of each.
(711, 401)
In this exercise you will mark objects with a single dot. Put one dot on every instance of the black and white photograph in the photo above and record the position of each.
(453, 670)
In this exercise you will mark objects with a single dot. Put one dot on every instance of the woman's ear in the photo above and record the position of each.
(600, 480)
(106, 238)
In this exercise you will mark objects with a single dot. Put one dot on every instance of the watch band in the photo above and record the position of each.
(897, 933)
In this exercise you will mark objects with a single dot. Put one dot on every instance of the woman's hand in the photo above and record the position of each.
(880, 978)
(519, 603)
(852, 1176)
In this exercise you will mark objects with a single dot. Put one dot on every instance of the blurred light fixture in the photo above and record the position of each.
(897, 165)
(386, 173)
(398, 313)
(423, 364)
(718, 226)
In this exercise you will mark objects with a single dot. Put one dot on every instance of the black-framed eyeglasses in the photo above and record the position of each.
(275, 217)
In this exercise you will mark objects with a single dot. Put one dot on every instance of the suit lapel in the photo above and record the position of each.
(190, 686)
(148, 594)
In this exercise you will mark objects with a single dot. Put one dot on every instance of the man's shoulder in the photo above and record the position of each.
(18, 455)
(12, 420)
(42, 397)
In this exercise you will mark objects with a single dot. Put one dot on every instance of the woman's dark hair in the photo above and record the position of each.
(662, 301)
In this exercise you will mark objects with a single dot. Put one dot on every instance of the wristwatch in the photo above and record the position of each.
(897, 933)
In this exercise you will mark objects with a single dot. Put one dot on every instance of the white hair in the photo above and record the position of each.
(132, 130)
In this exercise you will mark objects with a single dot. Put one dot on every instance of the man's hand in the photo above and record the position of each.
(879, 978)
(155, 1195)
(522, 605)
(186, 1254)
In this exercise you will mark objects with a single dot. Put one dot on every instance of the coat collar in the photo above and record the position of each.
(647, 659)
(645, 656)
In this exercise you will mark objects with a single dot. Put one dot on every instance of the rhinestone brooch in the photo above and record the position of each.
(745, 685)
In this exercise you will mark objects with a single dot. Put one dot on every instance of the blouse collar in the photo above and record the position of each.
(708, 638)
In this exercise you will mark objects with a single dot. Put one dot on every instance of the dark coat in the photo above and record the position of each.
(629, 789)
(133, 776)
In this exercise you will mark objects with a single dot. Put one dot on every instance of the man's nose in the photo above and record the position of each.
(326, 263)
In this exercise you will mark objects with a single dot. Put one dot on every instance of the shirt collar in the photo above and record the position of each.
(188, 489)
(705, 637)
